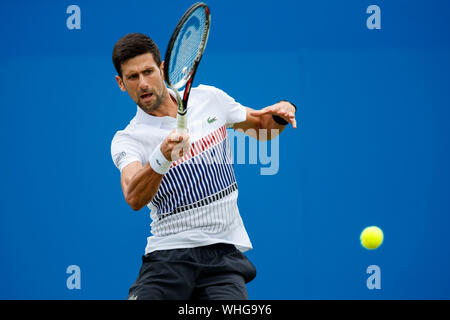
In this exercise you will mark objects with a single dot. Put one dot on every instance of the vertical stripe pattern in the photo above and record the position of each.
(199, 191)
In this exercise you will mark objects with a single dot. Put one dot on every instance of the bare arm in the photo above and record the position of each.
(141, 183)
(262, 119)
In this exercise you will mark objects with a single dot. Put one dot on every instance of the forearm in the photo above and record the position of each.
(142, 187)
(141, 183)
(262, 125)
(259, 127)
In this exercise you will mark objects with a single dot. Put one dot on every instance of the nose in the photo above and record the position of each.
(142, 84)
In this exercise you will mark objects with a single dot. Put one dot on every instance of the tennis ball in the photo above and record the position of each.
(371, 237)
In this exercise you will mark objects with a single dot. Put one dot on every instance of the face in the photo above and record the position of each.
(144, 81)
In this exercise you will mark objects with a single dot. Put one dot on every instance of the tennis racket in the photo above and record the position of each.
(183, 55)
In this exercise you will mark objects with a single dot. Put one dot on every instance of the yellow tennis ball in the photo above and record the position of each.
(371, 237)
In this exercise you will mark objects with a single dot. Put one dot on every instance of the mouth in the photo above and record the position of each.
(146, 97)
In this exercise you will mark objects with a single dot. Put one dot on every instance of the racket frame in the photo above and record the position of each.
(189, 77)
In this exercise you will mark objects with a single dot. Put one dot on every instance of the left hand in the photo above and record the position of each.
(282, 109)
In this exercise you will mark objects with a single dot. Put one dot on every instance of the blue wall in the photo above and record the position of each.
(372, 146)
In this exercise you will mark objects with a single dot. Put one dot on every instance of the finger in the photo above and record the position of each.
(283, 114)
(181, 150)
(293, 122)
(186, 148)
(176, 138)
(261, 112)
(185, 137)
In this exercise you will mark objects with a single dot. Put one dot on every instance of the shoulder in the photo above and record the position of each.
(120, 135)
(203, 89)
(211, 93)
(138, 136)
(127, 147)
(128, 134)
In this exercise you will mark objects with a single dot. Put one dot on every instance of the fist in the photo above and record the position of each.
(176, 146)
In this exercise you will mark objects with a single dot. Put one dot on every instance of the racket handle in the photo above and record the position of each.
(181, 124)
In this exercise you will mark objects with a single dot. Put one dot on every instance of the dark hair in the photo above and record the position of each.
(132, 45)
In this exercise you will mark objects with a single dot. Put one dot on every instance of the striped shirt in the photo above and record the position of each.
(196, 203)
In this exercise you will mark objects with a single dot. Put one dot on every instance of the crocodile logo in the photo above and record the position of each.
(211, 120)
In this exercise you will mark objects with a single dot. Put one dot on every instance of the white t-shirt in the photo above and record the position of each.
(196, 203)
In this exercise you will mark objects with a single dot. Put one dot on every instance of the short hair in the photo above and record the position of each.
(132, 45)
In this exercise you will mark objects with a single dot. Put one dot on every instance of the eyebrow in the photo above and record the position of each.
(137, 72)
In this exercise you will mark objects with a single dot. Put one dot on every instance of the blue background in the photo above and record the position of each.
(372, 146)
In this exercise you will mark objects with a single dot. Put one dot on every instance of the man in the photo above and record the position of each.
(187, 181)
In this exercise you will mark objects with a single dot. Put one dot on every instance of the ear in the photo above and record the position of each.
(120, 83)
(162, 69)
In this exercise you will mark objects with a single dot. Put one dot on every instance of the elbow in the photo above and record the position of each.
(134, 203)
(136, 207)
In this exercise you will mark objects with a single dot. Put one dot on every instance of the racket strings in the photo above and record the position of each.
(187, 46)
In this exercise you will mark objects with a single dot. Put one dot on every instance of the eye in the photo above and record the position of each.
(133, 76)
(148, 72)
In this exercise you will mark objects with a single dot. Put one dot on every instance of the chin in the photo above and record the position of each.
(147, 108)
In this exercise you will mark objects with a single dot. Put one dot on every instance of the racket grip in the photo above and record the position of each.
(181, 124)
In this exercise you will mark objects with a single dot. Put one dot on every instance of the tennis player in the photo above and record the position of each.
(186, 180)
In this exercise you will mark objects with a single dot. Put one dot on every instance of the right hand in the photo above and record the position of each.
(176, 146)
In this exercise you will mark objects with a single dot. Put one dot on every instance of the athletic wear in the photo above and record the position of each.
(196, 203)
(215, 272)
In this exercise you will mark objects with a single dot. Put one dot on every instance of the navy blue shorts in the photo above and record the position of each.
(214, 272)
